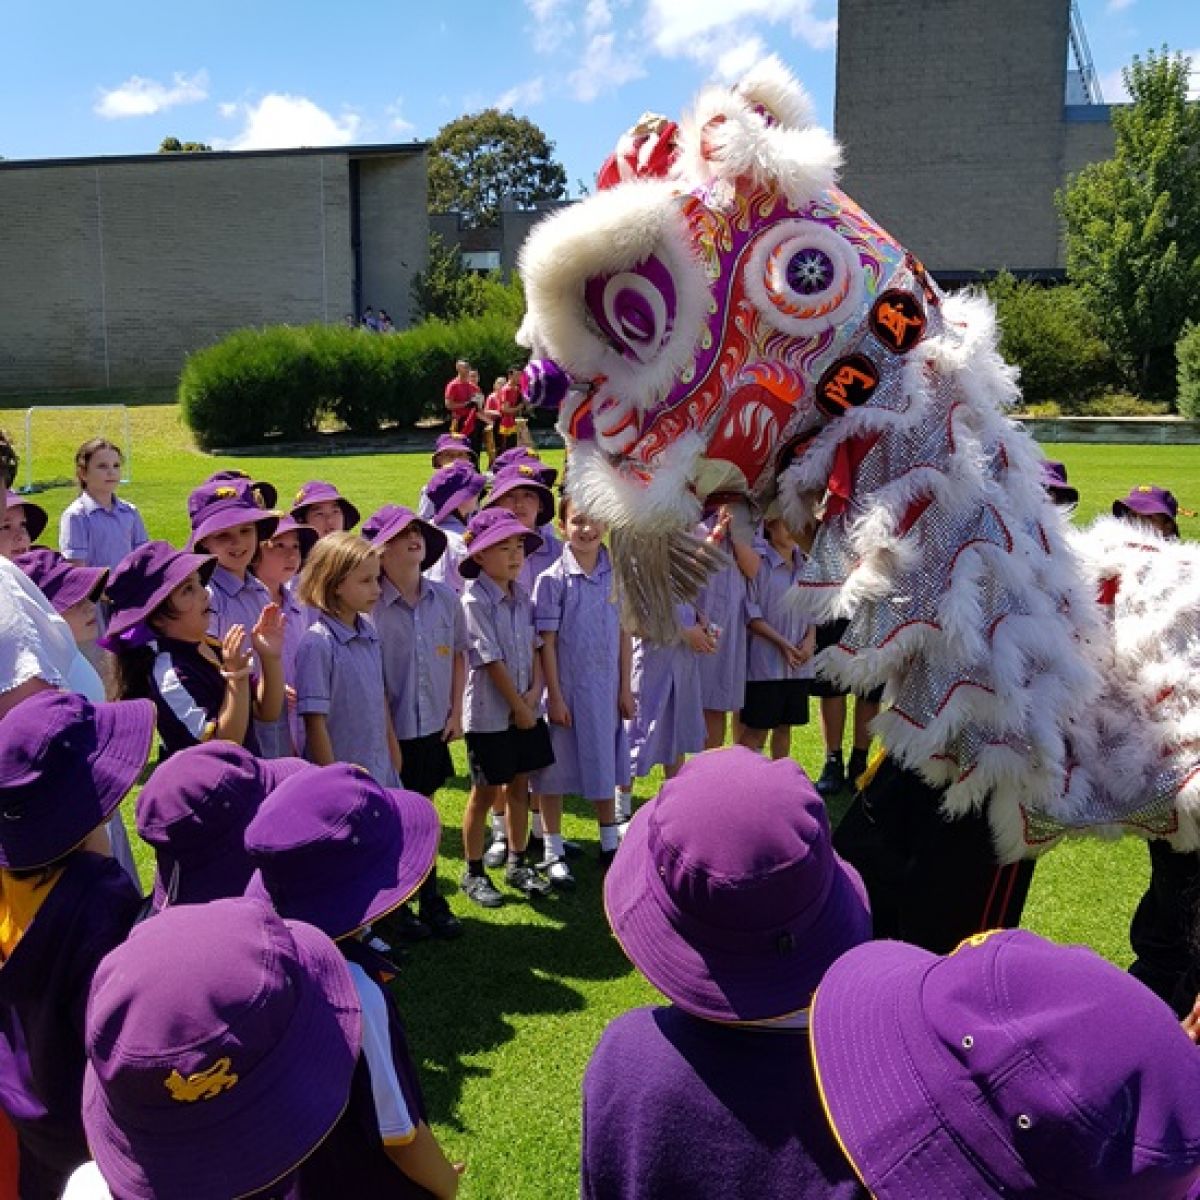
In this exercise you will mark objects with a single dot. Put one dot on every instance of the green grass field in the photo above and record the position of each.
(504, 1020)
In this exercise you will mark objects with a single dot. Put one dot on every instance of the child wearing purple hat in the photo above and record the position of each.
(340, 693)
(98, 528)
(158, 632)
(314, 866)
(423, 637)
(453, 493)
(21, 524)
(449, 448)
(277, 567)
(979, 1073)
(727, 896)
(265, 494)
(65, 766)
(519, 490)
(506, 738)
(225, 1059)
(322, 506)
(1151, 507)
(586, 659)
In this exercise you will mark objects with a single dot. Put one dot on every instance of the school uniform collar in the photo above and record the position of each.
(390, 593)
(231, 585)
(453, 523)
(492, 591)
(90, 504)
(347, 633)
(775, 558)
(572, 567)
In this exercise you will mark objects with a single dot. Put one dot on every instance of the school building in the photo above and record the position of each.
(113, 269)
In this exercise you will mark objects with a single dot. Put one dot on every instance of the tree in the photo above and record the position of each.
(481, 158)
(172, 145)
(448, 291)
(1133, 222)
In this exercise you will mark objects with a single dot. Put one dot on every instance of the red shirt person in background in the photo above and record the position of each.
(462, 402)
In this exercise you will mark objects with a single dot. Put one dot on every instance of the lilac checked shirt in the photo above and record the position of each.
(500, 629)
(98, 536)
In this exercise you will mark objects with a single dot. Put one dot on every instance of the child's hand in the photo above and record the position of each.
(289, 694)
(627, 704)
(523, 716)
(558, 712)
(453, 729)
(699, 639)
(268, 632)
(796, 656)
(1191, 1023)
(235, 654)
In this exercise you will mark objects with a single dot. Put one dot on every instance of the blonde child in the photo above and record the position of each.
(782, 642)
(65, 766)
(586, 659)
(98, 528)
(158, 631)
(277, 567)
(506, 739)
(340, 692)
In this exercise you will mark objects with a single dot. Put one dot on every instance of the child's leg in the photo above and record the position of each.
(832, 719)
(714, 729)
(481, 799)
(610, 833)
(517, 815)
(670, 770)
(752, 739)
(781, 741)
(552, 810)
(865, 711)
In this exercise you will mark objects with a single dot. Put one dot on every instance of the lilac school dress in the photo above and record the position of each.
(722, 602)
(445, 570)
(592, 757)
(542, 559)
(669, 719)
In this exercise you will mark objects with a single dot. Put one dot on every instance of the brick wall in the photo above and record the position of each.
(393, 198)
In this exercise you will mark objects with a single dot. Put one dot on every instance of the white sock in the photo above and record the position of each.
(610, 837)
(499, 828)
(554, 846)
(537, 829)
(624, 799)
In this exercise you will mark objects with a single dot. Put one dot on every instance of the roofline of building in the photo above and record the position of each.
(374, 150)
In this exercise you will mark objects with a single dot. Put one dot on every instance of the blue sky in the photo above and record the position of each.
(119, 75)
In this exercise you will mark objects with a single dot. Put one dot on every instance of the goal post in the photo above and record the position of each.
(53, 432)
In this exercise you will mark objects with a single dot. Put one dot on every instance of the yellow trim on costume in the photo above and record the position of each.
(209, 732)
(812, 1045)
(865, 780)
(393, 1140)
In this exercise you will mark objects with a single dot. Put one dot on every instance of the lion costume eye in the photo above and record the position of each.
(635, 309)
(804, 277)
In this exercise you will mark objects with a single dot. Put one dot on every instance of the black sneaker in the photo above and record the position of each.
(526, 879)
(496, 854)
(572, 849)
(833, 776)
(407, 926)
(443, 924)
(480, 890)
(606, 859)
(535, 848)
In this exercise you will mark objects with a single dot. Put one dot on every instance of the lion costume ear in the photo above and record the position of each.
(760, 130)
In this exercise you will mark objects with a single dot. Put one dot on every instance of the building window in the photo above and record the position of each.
(481, 260)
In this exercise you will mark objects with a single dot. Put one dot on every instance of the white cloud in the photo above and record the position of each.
(740, 57)
(140, 97)
(552, 26)
(523, 95)
(604, 68)
(397, 122)
(701, 29)
(1115, 6)
(227, 109)
(280, 120)
(597, 16)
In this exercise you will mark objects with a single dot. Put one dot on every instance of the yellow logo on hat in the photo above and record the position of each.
(1144, 487)
(203, 1085)
(527, 470)
(976, 939)
(224, 493)
(299, 497)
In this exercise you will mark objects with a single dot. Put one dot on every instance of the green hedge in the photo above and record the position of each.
(283, 381)
(1187, 356)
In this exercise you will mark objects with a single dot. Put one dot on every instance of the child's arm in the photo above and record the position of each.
(392, 740)
(423, 1161)
(556, 706)
(268, 643)
(317, 746)
(625, 702)
(233, 718)
(698, 639)
(458, 685)
(523, 716)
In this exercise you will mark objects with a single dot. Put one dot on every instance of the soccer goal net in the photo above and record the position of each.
(53, 432)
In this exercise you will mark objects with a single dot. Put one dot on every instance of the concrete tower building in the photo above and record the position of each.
(960, 119)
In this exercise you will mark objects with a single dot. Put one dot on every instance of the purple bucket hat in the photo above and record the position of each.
(65, 766)
(214, 507)
(338, 850)
(520, 456)
(486, 529)
(36, 516)
(452, 443)
(727, 894)
(1147, 501)
(392, 519)
(306, 534)
(452, 486)
(194, 811)
(317, 491)
(1054, 481)
(266, 495)
(524, 475)
(221, 1045)
(987, 1073)
(142, 580)
(61, 582)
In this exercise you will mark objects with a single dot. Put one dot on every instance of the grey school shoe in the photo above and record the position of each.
(496, 855)
(526, 879)
(559, 874)
(480, 890)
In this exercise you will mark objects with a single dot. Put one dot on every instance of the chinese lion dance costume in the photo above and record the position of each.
(719, 320)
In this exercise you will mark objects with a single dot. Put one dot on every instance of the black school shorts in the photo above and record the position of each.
(426, 764)
(498, 758)
(771, 703)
